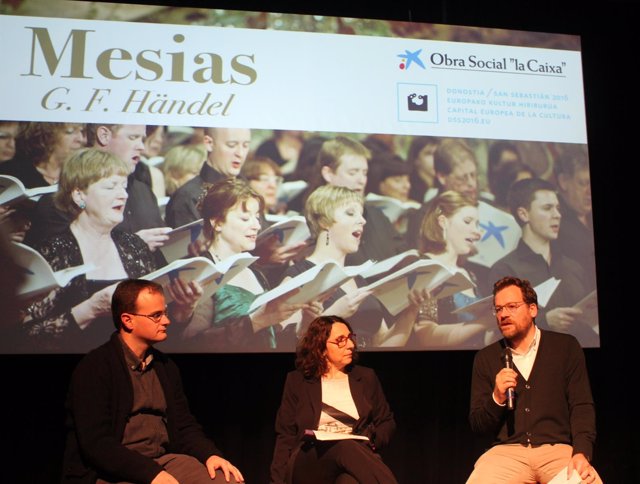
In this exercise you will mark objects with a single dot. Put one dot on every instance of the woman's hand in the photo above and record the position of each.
(99, 304)
(185, 296)
(417, 297)
(348, 304)
(154, 238)
(275, 311)
(271, 251)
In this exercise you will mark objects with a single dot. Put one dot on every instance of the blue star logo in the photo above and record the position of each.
(409, 58)
(494, 231)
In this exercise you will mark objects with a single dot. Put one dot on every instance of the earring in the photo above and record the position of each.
(327, 240)
(444, 233)
(82, 205)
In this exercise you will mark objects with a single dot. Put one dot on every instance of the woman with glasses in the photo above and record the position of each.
(77, 317)
(265, 176)
(335, 219)
(334, 417)
(448, 234)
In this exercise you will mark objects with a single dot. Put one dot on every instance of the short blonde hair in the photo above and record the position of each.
(323, 203)
(84, 168)
(179, 161)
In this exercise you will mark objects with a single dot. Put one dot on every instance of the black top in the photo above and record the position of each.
(183, 205)
(25, 171)
(575, 239)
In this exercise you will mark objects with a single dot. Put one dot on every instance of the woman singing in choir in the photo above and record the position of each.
(77, 317)
(448, 234)
(334, 216)
(231, 212)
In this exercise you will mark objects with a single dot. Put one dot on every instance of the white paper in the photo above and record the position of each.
(312, 283)
(322, 435)
(209, 275)
(391, 207)
(13, 190)
(387, 264)
(39, 277)
(393, 290)
(291, 231)
(561, 478)
(287, 191)
(179, 239)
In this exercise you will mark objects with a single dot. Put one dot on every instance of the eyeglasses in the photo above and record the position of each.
(341, 341)
(155, 317)
(277, 180)
(511, 307)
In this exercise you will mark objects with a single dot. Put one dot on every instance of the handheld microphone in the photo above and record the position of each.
(508, 363)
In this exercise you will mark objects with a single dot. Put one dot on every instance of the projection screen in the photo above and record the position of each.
(506, 105)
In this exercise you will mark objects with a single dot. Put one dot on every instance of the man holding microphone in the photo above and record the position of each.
(551, 422)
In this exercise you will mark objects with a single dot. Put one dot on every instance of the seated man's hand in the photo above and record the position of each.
(164, 478)
(216, 462)
(586, 471)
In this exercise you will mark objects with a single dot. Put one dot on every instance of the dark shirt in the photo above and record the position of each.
(575, 239)
(25, 171)
(526, 264)
(146, 429)
(183, 205)
(553, 406)
(269, 149)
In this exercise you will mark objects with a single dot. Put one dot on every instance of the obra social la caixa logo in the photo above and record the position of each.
(415, 101)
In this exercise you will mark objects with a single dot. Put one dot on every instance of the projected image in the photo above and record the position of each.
(392, 190)
(403, 235)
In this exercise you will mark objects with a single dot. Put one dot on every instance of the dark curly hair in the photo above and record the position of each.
(529, 295)
(310, 354)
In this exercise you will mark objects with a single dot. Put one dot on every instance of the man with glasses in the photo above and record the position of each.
(127, 416)
(548, 427)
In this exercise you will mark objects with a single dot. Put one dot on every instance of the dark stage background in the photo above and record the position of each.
(236, 396)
